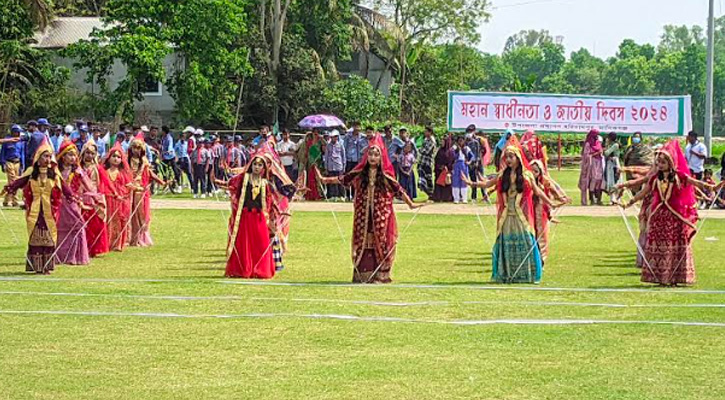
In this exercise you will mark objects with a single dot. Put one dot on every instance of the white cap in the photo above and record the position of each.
(198, 132)
(189, 129)
(334, 132)
(68, 129)
(144, 128)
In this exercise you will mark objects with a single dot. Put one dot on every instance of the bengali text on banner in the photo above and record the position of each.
(569, 113)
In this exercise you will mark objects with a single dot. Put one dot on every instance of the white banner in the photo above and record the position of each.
(569, 113)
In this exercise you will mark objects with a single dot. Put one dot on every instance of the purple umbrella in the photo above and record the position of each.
(320, 121)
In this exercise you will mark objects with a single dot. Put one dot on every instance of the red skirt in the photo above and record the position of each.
(314, 193)
(96, 234)
(668, 254)
(252, 254)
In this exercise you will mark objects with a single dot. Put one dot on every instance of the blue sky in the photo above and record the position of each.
(598, 25)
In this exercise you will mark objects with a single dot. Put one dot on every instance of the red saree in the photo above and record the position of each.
(95, 199)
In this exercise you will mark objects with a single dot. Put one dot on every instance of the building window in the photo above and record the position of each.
(150, 86)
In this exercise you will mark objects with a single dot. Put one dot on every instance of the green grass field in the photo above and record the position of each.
(167, 325)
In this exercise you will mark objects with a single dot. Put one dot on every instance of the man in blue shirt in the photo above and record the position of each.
(33, 139)
(394, 145)
(100, 142)
(183, 163)
(354, 147)
(56, 137)
(168, 157)
(12, 160)
(82, 138)
(44, 127)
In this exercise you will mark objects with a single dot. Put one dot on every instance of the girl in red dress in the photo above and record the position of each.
(375, 231)
(118, 200)
(672, 219)
(95, 216)
(256, 196)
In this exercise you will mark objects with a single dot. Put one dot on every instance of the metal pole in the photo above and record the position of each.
(710, 67)
(558, 162)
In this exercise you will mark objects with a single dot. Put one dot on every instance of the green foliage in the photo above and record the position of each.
(23, 69)
(143, 33)
(15, 21)
(355, 99)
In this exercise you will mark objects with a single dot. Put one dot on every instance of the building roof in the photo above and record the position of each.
(64, 31)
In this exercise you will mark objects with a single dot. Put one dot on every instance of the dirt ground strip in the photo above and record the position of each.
(433, 208)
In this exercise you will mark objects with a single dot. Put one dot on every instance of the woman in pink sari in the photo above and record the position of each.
(672, 219)
(141, 176)
(72, 243)
(591, 179)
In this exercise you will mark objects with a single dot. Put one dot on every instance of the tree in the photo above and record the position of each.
(355, 99)
(22, 68)
(74, 8)
(326, 28)
(677, 38)
(420, 21)
(528, 38)
(272, 19)
(142, 33)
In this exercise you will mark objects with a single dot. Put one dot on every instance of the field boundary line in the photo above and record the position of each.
(483, 286)
(341, 317)
(380, 303)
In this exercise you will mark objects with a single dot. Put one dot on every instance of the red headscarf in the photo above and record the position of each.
(385, 164)
(533, 146)
(525, 202)
(593, 139)
(117, 149)
(681, 200)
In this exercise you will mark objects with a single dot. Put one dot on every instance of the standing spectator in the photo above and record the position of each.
(394, 145)
(34, 139)
(183, 164)
(462, 157)
(198, 162)
(354, 146)
(611, 167)
(44, 128)
(82, 138)
(209, 165)
(168, 157)
(696, 153)
(405, 170)
(425, 164)
(591, 178)
(335, 164)
(443, 192)
(476, 168)
(243, 152)
(101, 144)
(638, 154)
(287, 150)
(56, 137)
(12, 160)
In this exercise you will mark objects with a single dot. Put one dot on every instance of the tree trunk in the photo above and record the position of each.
(403, 67)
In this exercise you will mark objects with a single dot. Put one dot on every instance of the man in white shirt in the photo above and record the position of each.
(287, 150)
(696, 153)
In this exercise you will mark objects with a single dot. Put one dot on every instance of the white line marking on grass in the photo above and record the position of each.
(361, 302)
(651, 290)
(363, 319)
